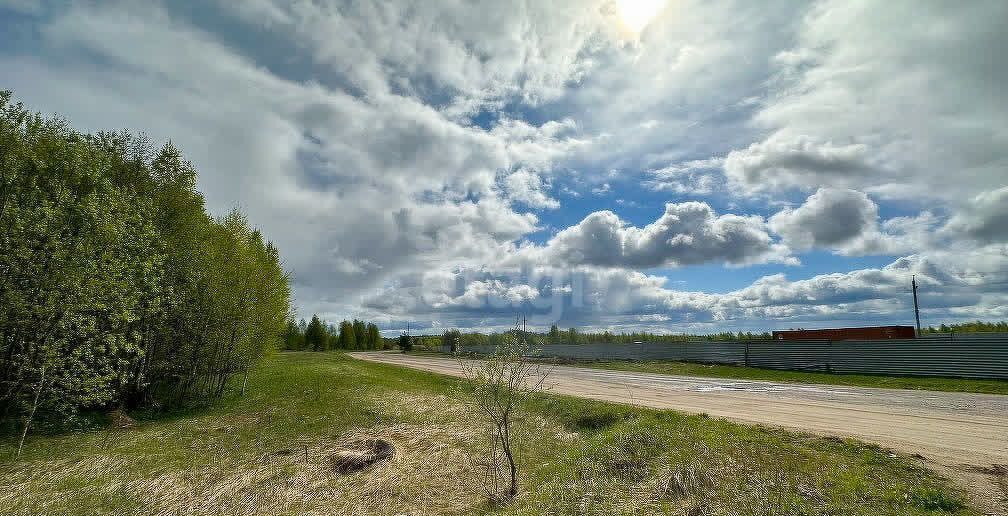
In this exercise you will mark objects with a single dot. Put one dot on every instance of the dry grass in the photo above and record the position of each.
(294, 478)
(272, 453)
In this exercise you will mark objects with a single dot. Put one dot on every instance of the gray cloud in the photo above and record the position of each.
(782, 162)
(985, 219)
(868, 100)
(830, 218)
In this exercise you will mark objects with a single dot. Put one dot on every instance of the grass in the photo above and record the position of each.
(269, 453)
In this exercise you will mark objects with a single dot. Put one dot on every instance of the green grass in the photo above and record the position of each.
(267, 453)
(755, 373)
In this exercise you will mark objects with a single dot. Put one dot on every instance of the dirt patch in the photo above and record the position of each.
(358, 455)
(119, 419)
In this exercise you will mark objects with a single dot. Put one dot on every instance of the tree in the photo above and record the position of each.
(499, 386)
(405, 343)
(374, 340)
(293, 338)
(451, 340)
(360, 334)
(554, 335)
(347, 336)
(316, 337)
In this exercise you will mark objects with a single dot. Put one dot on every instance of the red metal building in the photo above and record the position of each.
(866, 333)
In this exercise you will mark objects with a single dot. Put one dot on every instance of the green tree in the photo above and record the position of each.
(316, 335)
(554, 335)
(347, 336)
(374, 339)
(451, 339)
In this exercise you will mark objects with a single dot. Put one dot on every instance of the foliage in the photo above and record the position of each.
(451, 339)
(405, 342)
(969, 327)
(317, 335)
(116, 287)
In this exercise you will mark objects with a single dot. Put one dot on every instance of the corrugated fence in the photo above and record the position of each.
(974, 355)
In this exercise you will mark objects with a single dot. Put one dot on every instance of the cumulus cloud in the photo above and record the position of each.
(830, 218)
(620, 298)
(686, 234)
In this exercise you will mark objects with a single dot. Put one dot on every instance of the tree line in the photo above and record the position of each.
(117, 288)
(317, 335)
(968, 327)
(455, 338)
(555, 335)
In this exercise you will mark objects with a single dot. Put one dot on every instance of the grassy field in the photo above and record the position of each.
(755, 373)
(269, 452)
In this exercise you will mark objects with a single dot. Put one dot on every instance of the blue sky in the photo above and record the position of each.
(689, 166)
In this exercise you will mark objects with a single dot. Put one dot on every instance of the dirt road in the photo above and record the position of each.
(962, 435)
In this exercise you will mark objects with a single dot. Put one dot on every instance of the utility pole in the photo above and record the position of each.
(913, 282)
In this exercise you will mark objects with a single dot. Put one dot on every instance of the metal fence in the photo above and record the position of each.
(974, 355)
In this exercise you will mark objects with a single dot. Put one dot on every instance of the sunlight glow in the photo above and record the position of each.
(637, 14)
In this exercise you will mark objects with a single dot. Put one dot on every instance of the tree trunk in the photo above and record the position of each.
(505, 436)
(31, 415)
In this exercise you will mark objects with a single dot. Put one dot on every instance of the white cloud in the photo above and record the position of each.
(527, 187)
(695, 177)
(686, 234)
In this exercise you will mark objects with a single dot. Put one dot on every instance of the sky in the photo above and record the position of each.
(671, 166)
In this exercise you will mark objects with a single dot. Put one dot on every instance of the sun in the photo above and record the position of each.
(637, 14)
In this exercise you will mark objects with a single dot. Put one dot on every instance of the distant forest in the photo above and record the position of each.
(356, 335)
(317, 335)
(968, 327)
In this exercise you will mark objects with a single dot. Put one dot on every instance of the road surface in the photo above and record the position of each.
(960, 433)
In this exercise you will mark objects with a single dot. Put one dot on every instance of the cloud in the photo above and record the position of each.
(695, 177)
(527, 187)
(985, 219)
(867, 100)
(602, 189)
(616, 298)
(829, 218)
(780, 162)
(686, 234)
